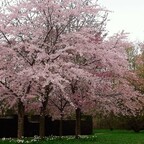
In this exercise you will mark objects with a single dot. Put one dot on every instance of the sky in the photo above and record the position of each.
(127, 15)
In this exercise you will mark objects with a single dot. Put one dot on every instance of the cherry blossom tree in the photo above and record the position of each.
(104, 84)
(42, 35)
(136, 68)
(59, 45)
(14, 88)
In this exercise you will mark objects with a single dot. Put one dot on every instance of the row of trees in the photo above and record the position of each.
(119, 121)
(54, 60)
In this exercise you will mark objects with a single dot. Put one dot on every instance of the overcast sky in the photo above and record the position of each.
(127, 15)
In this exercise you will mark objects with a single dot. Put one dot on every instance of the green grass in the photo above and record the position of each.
(99, 137)
(119, 137)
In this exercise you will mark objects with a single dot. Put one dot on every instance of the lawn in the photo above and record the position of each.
(99, 137)
(119, 137)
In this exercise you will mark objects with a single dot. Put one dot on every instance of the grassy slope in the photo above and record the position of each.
(99, 137)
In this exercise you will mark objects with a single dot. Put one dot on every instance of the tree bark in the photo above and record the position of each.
(48, 89)
(42, 126)
(61, 126)
(42, 119)
(21, 111)
(78, 123)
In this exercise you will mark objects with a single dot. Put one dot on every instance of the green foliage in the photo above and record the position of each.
(109, 121)
(132, 53)
(113, 122)
(135, 123)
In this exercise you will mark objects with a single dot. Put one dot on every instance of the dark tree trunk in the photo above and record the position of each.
(48, 89)
(61, 126)
(42, 120)
(21, 111)
(42, 126)
(78, 123)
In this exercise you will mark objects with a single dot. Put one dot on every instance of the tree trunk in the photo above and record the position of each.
(78, 123)
(61, 126)
(21, 111)
(48, 89)
(42, 119)
(42, 126)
